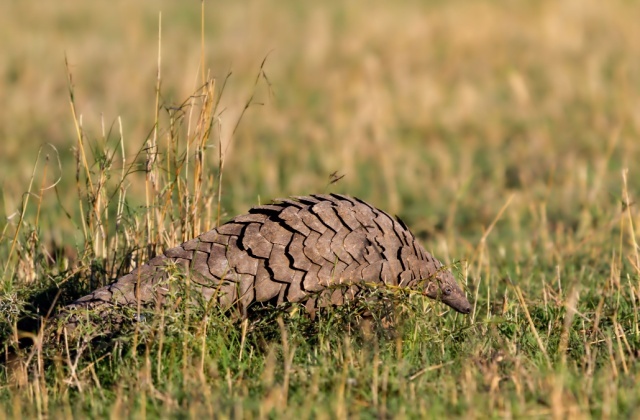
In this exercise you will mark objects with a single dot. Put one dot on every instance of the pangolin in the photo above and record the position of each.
(293, 250)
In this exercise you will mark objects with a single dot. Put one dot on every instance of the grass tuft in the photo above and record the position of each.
(505, 135)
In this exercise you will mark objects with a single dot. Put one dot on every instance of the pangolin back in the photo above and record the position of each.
(293, 250)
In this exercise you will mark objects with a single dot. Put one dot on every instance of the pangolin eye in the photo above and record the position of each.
(447, 291)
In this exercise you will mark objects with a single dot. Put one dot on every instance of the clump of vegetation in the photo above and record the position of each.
(504, 135)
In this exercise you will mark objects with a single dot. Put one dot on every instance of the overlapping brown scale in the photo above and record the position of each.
(384, 222)
(288, 202)
(160, 260)
(417, 249)
(230, 229)
(227, 293)
(408, 238)
(265, 288)
(405, 253)
(241, 262)
(353, 271)
(328, 198)
(338, 270)
(337, 297)
(275, 233)
(323, 246)
(222, 234)
(200, 267)
(297, 249)
(217, 261)
(178, 252)
(311, 281)
(372, 253)
(355, 243)
(337, 246)
(283, 293)
(396, 234)
(279, 266)
(429, 269)
(311, 305)
(406, 278)
(400, 233)
(312, 222)
(364, 215)
(414, 264)
(372, 272)
(246, 292)
(345, 198)
(295, 292)
(180, 262)
(364, 205)
(306, 200)
(247, 218)
(290, 216)
(389, 244)
(326, 275)
(253, 241)
(267, 208)
(386, 274)
(197, 245)
(310, 249)
(324, 211)
(346, 213)
(215, 235)
(395, 268)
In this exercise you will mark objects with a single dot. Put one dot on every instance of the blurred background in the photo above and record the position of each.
(438, 111)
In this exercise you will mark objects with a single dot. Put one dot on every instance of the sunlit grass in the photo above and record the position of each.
(505, 135)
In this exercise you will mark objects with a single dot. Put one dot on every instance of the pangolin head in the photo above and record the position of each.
(443, 287)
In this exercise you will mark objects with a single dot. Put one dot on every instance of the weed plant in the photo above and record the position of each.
(505, 135)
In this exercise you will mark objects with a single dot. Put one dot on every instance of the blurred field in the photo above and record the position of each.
(440, 112)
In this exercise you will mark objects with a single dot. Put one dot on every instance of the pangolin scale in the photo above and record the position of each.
(293, 250)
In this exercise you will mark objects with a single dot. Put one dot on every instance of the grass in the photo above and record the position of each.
(504, 134)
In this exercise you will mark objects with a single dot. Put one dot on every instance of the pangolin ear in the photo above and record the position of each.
(432, 289)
